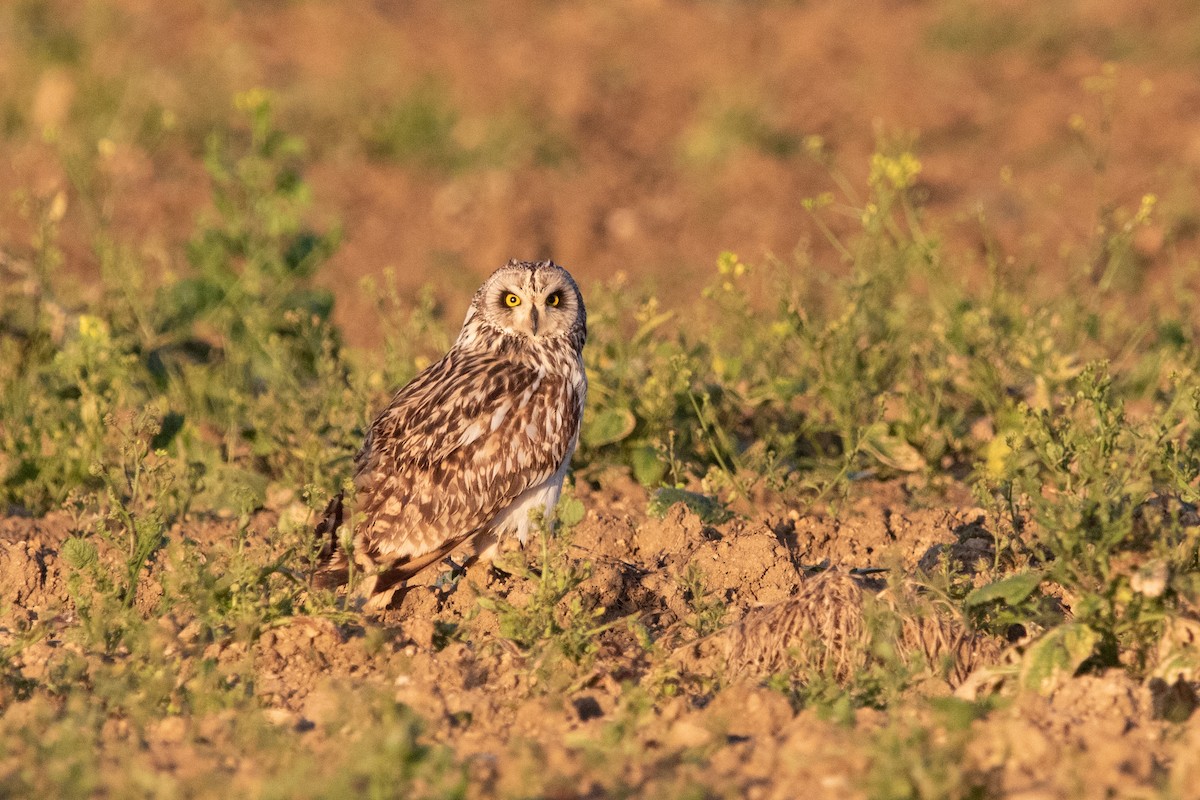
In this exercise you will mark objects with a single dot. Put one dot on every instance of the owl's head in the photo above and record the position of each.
(526, 300)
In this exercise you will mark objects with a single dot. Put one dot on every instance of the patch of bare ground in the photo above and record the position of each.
(669, 701)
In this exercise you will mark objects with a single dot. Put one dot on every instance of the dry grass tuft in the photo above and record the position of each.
(835, 628)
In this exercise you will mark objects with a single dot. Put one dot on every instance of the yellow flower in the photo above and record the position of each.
(822, 200)
(729, 264)
(900, 171)
(93, 328)
(252, 99)
(996, 457)
(1146, 209)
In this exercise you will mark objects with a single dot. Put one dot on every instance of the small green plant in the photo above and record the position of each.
(709, 509)
(417, 129)
(638, 385)
(914, 759)
(65, 384)
(708, 611)
(425, 129)
(246, 343)
(1076, 492)
(141, 498)
(556, 620)
(724, 129)
(234, 592)
(243, 346)
(392, 757)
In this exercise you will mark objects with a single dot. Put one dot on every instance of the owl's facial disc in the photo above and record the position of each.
(529, 300)
(533, 313)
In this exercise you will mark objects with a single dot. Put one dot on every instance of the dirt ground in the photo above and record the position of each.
(524, 730)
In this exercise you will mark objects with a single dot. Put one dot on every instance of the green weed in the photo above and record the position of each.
(707, 611)
(555, 621)
(425, 129)
(723, 129)
(913, 759)
(1075, 493)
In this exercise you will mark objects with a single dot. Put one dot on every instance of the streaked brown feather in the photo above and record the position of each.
(497, 415)
(419, 484)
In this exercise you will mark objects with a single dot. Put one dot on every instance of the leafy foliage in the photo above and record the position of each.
(555, 621)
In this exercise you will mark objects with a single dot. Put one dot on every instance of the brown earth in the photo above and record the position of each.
(1036, 125)
(527, 727)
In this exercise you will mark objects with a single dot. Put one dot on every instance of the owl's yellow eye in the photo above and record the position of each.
(511, 300)
(554, 299)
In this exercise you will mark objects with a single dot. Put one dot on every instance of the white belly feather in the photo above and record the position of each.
(518, 517)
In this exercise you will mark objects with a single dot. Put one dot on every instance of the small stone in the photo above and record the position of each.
(172, 730)
(280, 717)
(687, 734)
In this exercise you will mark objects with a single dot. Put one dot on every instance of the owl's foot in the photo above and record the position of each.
(446, 581)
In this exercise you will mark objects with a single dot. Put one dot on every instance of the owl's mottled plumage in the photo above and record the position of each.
(477, 441)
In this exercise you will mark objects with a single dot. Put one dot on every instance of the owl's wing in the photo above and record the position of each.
(455, 447)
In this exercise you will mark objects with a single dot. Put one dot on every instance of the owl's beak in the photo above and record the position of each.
(533, 321)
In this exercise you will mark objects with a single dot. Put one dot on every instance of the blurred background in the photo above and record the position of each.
(641, 137)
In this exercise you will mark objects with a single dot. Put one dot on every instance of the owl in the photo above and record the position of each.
(476, 445)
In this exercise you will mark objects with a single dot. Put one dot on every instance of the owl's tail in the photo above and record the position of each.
(333, 563)
(332, 567)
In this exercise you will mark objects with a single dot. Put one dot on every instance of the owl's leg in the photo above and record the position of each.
(330, 559)
(381, 601)
(485, 546)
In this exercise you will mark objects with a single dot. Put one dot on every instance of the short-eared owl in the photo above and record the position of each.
(475, 443)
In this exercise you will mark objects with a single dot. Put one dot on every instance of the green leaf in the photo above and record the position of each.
(79, 553)
(172, 424)
(708, 509)
(648, 467)
(1057, 654)
(307, 251)
(185, 301)
(955, 713)
(570, 512)
(1010, 590)
(315, 302)
(608, 426)
(230, 487)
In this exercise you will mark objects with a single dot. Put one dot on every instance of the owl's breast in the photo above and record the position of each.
(520, 516)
